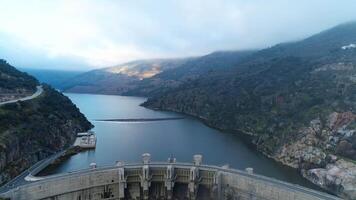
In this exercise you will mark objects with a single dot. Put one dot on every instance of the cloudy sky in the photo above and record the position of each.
(86, 34)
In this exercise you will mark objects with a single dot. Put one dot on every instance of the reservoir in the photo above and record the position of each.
(122, 138)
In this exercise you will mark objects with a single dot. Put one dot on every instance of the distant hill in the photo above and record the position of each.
(286, 79)
(121, 78)
(146, 77)
(34, 129)
(12, 79)
(192, 69)
(14, 84)
(55, 78)
(297, 100)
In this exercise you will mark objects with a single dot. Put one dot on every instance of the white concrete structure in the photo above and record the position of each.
(162, 180)
(86, 140)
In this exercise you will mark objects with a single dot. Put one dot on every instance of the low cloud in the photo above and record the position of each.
(89, 34)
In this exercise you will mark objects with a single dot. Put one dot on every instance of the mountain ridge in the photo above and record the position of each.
(121, 78)
(131, 78)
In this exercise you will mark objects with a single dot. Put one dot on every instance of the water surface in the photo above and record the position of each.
(127, 140)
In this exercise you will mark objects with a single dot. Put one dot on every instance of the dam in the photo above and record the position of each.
(161, 180)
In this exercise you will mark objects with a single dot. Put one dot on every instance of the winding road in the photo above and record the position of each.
(20, 179)
(28, 175)
(34, 95)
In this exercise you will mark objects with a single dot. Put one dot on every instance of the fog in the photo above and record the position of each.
(81, 35)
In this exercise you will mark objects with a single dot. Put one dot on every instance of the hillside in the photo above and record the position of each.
(119, 79)
(148, 77)
(14, 84)
(189, 71)
(296, 99)
(54, 78)
(34, 129)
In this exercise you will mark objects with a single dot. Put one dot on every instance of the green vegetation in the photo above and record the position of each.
(188, 72)
(11, 79)
(32, 116)
(119, 79)
(274, 92)
(32, 130)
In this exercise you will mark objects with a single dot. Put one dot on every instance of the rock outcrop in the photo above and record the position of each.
(338, 177)
(323, 152)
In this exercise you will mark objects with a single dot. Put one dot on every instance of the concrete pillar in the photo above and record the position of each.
(251, 185)
(193, 182)
(146, 158)
(171, 159)
(122, 180)
(197, 159)
(169, 181)
(216, 188)
(226, 166)
(194, 177)
(92, 165)
(146, 178)
(249, 170)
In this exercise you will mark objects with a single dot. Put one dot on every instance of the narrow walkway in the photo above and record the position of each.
(34, 95)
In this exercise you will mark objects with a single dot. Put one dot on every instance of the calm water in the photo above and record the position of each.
(183, 138)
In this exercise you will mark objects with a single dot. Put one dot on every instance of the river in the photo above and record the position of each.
(126, 140)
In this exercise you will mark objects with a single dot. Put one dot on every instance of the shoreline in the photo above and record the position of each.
(69, 152)
(247, 138)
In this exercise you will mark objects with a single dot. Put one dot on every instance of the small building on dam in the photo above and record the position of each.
(161, 180)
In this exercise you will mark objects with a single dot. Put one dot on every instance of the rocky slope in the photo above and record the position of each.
(281, 95)
(34, 129)
(325, 152)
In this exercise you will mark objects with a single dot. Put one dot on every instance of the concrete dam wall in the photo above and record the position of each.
(162, 180)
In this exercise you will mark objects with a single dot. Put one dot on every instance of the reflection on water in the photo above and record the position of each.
(183, 138)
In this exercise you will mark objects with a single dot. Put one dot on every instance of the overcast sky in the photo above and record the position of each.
(81, 35)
